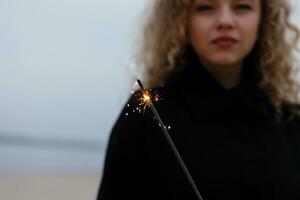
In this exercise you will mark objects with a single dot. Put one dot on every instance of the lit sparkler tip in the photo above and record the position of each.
(146, 96)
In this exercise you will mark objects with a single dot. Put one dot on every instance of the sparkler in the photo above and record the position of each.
(147, 101)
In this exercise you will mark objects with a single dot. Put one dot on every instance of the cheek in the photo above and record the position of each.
(251, 31)
(198, 33)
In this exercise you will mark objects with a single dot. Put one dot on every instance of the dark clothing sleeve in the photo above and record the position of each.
(125, 168)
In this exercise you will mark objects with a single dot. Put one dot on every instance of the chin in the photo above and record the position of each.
(225, 61)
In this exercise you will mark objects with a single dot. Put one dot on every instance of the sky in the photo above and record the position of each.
(66, 71)
(65, 74)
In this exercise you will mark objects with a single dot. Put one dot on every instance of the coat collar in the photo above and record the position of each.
(206, 97)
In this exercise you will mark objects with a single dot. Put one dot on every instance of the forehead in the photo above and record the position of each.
(229, 1)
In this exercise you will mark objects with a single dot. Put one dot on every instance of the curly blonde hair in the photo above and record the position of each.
(164, 43)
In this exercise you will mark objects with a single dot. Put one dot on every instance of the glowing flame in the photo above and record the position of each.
(146, 98)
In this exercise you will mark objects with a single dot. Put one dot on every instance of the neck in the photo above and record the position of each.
(227, 76)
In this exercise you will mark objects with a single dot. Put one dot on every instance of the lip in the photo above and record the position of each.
(224, 41)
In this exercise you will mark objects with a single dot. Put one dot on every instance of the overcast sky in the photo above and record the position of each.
(65, 72)
(65, 65)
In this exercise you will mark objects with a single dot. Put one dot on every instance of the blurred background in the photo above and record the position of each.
(65, 73)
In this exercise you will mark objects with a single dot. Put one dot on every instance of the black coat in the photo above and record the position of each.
(229, 139)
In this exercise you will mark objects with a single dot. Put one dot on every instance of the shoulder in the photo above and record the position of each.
(129, 131)
(131, 113)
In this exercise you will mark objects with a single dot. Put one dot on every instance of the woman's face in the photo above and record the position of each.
(223, 32)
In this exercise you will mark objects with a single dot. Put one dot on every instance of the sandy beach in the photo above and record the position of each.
(49, 186)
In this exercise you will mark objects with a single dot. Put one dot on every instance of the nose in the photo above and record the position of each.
(225, 19)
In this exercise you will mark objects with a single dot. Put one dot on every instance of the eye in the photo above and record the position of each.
(243, 7)
(204, 8)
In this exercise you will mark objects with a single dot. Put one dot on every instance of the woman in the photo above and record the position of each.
(228, 97)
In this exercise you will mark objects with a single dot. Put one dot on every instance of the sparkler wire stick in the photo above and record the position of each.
(171, 143)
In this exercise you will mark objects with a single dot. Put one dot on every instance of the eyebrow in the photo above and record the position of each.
(232, 1)
(204, 0)
(245, 0)
(216, 0)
